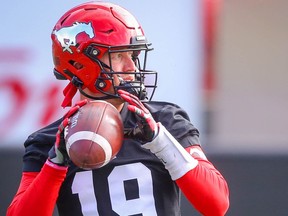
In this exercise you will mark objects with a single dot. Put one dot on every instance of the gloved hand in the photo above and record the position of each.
(58, 154)
(146, 129)
(157, 139)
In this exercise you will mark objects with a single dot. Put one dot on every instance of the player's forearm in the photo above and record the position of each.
(206, 189)
(202, 184)
(37, 192)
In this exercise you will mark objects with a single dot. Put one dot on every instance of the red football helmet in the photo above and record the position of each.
(82, 36)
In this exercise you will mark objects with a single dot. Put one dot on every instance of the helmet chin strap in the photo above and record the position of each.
(137, 89)
(98, 98)
(132, 88)
(127, 86)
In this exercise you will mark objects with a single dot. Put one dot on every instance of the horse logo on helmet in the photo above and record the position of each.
(67, 35)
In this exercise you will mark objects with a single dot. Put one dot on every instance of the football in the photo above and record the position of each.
(94, 135)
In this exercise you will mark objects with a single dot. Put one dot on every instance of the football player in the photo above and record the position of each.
(101, 49)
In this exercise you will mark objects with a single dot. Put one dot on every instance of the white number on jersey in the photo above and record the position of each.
(83, 186)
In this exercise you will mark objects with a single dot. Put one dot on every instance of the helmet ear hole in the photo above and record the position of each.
(76, 65)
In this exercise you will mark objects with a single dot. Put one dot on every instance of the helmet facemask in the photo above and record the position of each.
(144, 83)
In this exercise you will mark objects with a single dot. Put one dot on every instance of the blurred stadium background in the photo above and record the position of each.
(225, 62)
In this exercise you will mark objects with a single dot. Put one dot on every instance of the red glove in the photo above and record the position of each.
(146, 128)
(58, 154)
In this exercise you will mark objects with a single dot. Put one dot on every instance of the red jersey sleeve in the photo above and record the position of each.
(38, 191)
(205, 187)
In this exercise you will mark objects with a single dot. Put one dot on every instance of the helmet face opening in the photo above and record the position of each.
(84, 34)
(144, 82)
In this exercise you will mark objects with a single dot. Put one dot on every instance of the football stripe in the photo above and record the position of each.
(89, 135)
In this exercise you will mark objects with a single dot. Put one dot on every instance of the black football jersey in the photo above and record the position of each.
(135, 183)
